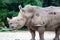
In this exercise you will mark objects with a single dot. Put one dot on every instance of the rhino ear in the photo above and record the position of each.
(8, 19)
(20, 7)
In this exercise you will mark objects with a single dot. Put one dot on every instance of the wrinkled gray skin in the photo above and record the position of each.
(49, 21)
(41, 20)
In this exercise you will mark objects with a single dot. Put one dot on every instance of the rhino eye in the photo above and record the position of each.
(23, 10)
(17, 20)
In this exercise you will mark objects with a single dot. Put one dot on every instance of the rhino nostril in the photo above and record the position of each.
(12, 27)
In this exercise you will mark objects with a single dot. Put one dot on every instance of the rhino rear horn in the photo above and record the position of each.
(20, 7)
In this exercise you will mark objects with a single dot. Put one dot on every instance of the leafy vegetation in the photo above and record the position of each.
(51, 3)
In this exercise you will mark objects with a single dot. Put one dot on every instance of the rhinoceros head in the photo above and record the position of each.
(20, 20)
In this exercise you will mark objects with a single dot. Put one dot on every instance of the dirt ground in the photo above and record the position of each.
(24, 35)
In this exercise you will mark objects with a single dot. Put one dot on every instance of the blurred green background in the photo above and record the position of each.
(9, 8)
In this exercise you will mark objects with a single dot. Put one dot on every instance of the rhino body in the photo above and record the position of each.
(45, 20)
(39, 19)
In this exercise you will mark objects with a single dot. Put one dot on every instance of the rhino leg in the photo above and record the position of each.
(57, 34)
(56, 37)
(41, 33)
(32, 34)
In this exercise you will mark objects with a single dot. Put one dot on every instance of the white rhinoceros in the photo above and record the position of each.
(38, 19)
